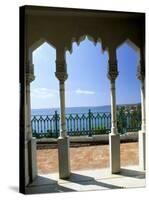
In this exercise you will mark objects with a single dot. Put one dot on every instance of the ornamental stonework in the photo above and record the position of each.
(29, 78)
(61, 66)
(29, 68)
(112, 70)
(62, 76)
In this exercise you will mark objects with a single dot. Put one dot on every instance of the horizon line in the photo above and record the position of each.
(85, 106)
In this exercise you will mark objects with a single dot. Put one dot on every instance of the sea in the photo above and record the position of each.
(41, 126)
(71, 110)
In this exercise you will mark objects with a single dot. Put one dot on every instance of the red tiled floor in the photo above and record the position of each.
(87, 157)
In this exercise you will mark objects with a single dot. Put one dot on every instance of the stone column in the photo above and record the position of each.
(114, 137)
(142, 132)
(30, 142)
(63, 140)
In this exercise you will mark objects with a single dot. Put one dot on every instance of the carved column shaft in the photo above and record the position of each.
(29, 78)
(141, 77)
(112, 74)
(143, 127)
(113, 108)
(142, 132)
(30, 155)
(114, 137)
(63, 140)
(62, 76)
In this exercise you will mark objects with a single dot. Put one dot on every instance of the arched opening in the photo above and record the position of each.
(87, 104)
(87, 83)
(87, 97)
(44, 89)
(128, 101)
(44, 103)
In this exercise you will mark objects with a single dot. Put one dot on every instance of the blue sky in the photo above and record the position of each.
(87, 83)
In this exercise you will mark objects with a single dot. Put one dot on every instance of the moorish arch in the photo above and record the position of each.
(140, 75)
(30, 142)
(131, 50)
(81, 38)
(61, 26)
(95, 47)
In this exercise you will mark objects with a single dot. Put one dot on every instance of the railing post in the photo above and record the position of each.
(89, 118)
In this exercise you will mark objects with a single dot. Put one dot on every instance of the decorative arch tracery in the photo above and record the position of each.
(37, 44)
(130, 44)
(63, 33)
(79, 39)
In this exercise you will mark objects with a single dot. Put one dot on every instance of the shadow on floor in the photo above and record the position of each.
(45, 185)
(87, 180)
(132, 173)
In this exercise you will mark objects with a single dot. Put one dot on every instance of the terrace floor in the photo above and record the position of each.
(86, 157)
(88, 180)
(89, 170)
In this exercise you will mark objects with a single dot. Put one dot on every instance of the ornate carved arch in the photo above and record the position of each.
(130, 44)
(79, 39)
(37, 44)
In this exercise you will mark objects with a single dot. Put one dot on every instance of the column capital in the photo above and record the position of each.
(62, 76)
(61, 72)
(29, 78)
(29, 72)
(61, 66)
(112, 70)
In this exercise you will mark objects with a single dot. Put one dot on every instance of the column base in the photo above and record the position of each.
(32, 159)
(64, 157)
(142, 153)
(114, 150)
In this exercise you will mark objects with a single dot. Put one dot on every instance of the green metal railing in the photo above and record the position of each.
(83, 124)
(45, 125)
(128, 121)
(88, 124)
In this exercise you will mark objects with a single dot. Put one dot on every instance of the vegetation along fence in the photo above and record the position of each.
(84, 124)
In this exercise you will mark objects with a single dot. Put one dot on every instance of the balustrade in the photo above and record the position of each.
(90, 123)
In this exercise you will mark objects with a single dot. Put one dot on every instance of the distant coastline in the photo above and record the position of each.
(79, 110)
(126, 104)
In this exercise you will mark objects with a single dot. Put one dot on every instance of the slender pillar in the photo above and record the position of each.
(30, 142)
(113, 109)
(63, 140)
(29, 78)
(63, 133)
(114, 137)
(142, 132)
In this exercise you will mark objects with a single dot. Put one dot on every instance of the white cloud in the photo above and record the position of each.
(43, 93)
(88, 92)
